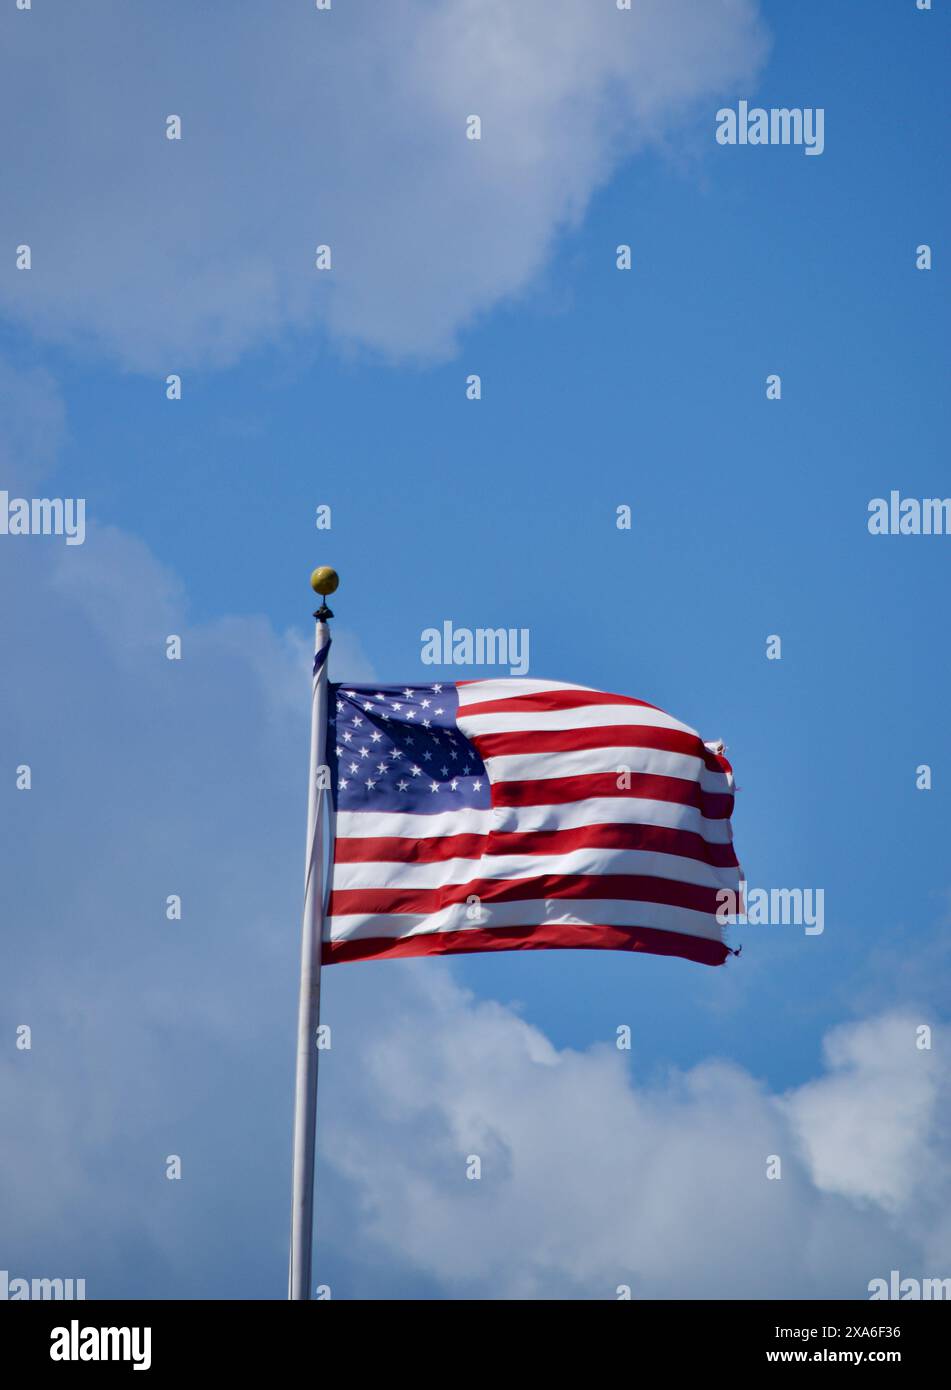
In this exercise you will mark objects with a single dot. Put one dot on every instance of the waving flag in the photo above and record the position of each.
(519, 814)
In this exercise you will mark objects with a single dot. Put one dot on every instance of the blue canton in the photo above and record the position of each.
(397, 748)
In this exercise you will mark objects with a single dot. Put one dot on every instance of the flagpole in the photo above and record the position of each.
(323, 581)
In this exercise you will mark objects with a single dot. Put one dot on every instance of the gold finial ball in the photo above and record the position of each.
(324, 580)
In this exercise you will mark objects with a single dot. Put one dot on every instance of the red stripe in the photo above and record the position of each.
(623, 887)
(542, 700)
(604, 736)
(551, 791)
(390, 849)
(658, 839)
(550, 936)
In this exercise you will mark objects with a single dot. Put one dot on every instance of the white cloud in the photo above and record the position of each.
(149, 778)
(868, 1126)
(345, 127)
(592, 1180)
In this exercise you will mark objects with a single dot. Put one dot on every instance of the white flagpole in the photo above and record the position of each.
(324, 581)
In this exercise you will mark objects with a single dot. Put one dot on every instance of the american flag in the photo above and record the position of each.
(515, 814)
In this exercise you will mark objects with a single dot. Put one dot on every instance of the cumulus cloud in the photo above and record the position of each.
(344, 127)
(149, 1037)
(593, 1178)
(868, 1126)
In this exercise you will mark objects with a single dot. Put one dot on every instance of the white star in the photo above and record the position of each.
(477, 786)
(427, 723)
(351, 693)
(434, 787)
(348, 735)
(379, 696)
(427, 755)
(410, 714)
(417, 771)
(367, 707)
(370, 784)
(437, 689)
(402, 786)
(408, 694)
(397, 705)
(444, 770)
(375, 736)
(339, 705)
(466, 770)
(354, 767)
(382, 767)
(339, 751)
(454, 753)
(344, 784)
(426, 704)
(364, 752)
(439, 711)
(454, 784)
(357, 721)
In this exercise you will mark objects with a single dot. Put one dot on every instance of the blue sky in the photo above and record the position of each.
(600, 388)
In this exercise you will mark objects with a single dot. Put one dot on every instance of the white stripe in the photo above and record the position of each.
(592, 861)
(594, 810)
(504, 689)
(577, 762)
(583, 716)
(466, 821)
(661, 916)
(613, 810)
